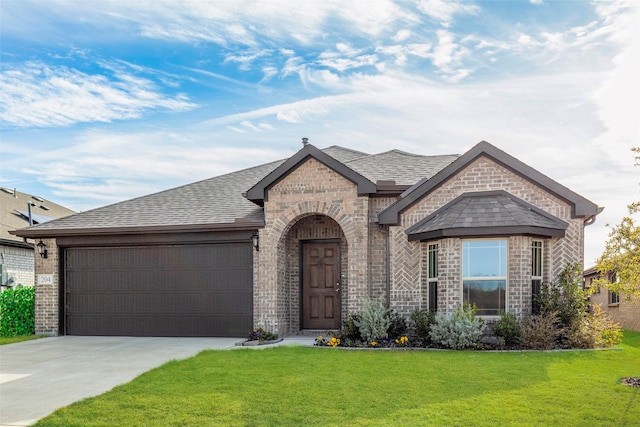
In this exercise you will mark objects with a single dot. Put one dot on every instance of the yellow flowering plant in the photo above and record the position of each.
(403, 341)
(334, 342)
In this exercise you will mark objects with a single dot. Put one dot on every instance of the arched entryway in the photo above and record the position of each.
(316, 265)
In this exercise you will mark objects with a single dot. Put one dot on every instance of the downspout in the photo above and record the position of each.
(592, 218)
(388, 264)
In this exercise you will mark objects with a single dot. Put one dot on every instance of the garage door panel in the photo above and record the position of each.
(197, 290)
(167, 325)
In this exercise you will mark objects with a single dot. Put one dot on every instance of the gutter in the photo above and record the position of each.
(590, 220)
(239, 225)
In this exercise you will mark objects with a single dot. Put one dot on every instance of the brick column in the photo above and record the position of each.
(47, 303)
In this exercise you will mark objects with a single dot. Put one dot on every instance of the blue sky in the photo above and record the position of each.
(102, 101)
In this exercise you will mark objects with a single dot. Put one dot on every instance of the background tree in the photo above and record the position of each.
(622, 253)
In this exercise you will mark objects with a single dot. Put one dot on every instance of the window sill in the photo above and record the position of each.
(489, 319)
(617, 304)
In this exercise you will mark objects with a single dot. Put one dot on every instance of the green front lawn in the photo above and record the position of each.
(303, 386)
(19, 338)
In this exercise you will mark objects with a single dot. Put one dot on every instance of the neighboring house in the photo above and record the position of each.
(16, 253)
(626, 313)
(297, 245)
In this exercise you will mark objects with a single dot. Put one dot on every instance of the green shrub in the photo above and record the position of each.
(350, 331)
(17, 312)
(261, 335)
(374, 321)
(459, 330)
(422, 321)
(397, 325)
(540, 332)
(594, 330)
(564, 296)
(508, 328)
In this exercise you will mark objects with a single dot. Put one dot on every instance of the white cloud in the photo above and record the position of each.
(37, 95)
(401, 35)
(268, 73)
(347, 49)
(249, 125)
(291, 116)
(448, 56)
(401, 52)
(343, 64)
(537, 2)
(445, 11)
(246, 58)
(293, 65)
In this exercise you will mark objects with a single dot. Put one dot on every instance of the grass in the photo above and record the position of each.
(313, 386)
(19, 338)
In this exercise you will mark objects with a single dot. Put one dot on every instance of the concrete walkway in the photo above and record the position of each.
(37, 377)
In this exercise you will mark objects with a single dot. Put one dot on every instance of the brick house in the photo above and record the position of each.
(624, 312)
(16, 253)
(297, 244)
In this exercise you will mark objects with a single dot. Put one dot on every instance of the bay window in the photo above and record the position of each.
(484, 275)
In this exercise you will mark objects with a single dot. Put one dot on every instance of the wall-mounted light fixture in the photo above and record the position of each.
(42, 249)
(255, 239)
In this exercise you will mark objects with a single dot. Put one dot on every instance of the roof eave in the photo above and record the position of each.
(238, 225)
(16, 243)
(470, 232)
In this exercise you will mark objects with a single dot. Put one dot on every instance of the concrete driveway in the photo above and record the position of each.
(37, 377)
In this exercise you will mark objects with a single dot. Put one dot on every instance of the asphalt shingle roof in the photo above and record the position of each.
(219, 200)
(13, 202)
(403, 168)
(469, 213)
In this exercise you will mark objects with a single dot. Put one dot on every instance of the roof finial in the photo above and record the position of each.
(305, 141)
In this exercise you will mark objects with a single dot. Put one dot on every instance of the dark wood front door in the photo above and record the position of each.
(320, 285)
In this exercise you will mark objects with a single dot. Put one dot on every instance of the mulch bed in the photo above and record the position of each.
(631, 381)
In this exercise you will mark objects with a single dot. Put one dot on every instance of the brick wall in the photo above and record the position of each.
(407, 278)
(19, 264)
(310, 189)
(47, 295)
(315, 202)
(625, 313)
(378, 250)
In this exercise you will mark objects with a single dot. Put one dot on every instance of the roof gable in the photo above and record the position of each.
(487, 213)
(258, 193)
(581, 207)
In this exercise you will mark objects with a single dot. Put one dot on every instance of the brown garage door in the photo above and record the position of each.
(191, 290)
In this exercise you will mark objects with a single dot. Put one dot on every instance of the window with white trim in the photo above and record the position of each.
(432, 277)
(484, 275)
(536, 275)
